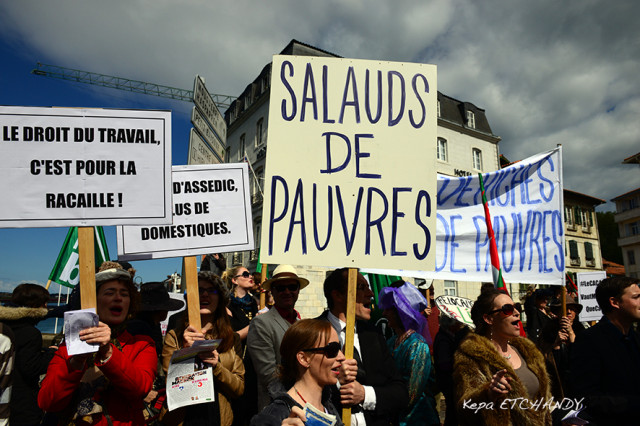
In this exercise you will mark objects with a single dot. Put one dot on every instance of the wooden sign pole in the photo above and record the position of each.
(190, 277)
(87, 263)
(263, 277)
(350, 330)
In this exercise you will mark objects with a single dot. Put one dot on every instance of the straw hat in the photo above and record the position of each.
(285, 273)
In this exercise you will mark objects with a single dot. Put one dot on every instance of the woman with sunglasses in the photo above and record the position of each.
(495, 366)
(228, 369)
(242, 305)
(310, 363)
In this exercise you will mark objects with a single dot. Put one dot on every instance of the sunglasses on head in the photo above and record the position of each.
(245, 274)
(330, 351)
(209, 290)
(506, 310)
(283, 287)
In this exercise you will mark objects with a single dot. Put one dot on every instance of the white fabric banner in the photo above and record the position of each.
(526, 208)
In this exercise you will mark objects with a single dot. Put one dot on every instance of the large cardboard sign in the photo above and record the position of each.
(526, 207)
(211, 214)
(350, 173)
(587, 283)
(82, 167)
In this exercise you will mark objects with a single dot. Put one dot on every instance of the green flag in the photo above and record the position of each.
(66, 271)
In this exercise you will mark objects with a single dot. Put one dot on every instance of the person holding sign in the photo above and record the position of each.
(266, 330)
(500, 377)
(370, 383)
(311, 360)
(403, 306)
(106, 387)
(605, 359)
(228, 369)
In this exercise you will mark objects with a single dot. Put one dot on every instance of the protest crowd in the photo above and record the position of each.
(271, 367)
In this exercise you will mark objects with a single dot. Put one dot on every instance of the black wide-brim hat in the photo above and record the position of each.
(155, 297)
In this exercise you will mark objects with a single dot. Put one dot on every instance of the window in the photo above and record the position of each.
(573, 249)
(241, 147)
(257, 237)
(259, 133)
(257, 183)
(439, 109)
(633, 228)
(632, 257)
(588, 251)
(568, 215)
(477, 159)
(442, 149)
(450, 288)
(585, 218)
(471, 119)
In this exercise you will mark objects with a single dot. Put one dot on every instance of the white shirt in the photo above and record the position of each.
(369, 403)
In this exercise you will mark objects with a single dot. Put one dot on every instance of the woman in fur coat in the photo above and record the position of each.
(500, 378)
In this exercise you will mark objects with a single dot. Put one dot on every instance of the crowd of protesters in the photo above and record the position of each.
(271, 364)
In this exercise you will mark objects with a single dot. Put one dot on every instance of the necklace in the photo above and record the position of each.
(404, 337)
(301, 397)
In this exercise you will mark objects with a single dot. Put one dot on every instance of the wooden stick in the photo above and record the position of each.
(350, 329)
(48, 285)
(563, 300)
(190, 269)
(263, 277)
(87, 262)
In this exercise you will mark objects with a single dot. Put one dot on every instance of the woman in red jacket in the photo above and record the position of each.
(107, 387)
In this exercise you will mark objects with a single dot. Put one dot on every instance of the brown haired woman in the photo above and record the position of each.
(228, 370)
(105, 388)
(499, 376)
(311, 359)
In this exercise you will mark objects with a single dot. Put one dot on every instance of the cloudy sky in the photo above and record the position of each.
(546, 72)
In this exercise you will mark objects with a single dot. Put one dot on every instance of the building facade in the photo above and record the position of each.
(582, 241)
(628, 219)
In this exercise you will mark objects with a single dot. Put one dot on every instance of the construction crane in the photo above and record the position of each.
(136, 86)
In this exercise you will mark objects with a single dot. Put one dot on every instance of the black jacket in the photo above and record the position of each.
(31, 361)
(379, 371)
(281, 404)
(605, 369)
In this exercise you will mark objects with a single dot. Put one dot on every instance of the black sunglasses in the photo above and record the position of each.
(245, 274)
(506, 310)
(283, 287)
(209, 290)
(330, 351)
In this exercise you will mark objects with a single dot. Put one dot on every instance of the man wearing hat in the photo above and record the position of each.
(266, 330)
(154, 306)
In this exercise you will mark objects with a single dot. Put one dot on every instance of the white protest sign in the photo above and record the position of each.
(350, 173)
(587, 283)
(526, 207)
(212, 214)
(84, 167)
(458, 308)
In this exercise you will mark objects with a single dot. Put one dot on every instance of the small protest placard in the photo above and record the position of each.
(74, 322)
(83, 167)
(189, 382)
(211, 214)
(587, 283)
(458, 308)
